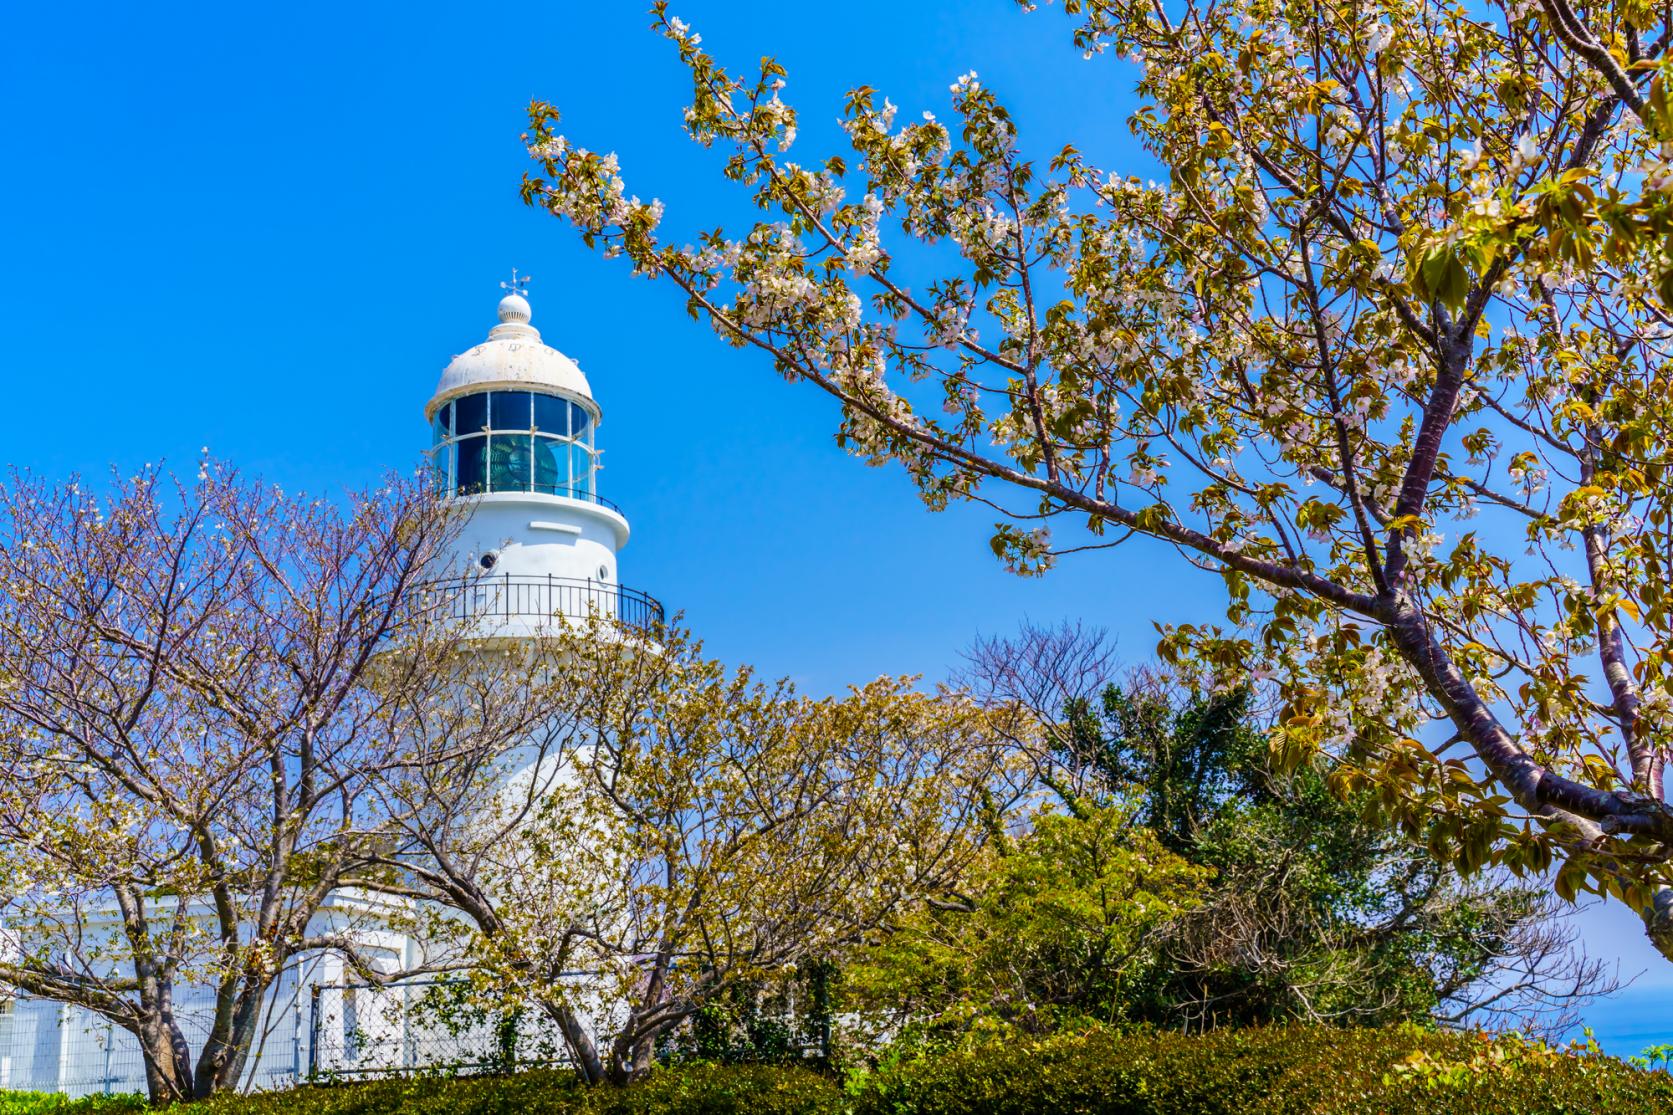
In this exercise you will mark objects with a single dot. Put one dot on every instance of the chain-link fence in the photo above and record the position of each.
(315, 1031)
(47, 1046)
(361, 1030)
(309, 1032)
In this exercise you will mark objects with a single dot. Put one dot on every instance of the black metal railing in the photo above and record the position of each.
(581, 494)
(511, 596)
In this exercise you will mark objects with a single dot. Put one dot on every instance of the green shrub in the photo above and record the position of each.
(47, 1103)
(724, 1090)
(1288, 1071)
(1276, 1071)
(690, 1090)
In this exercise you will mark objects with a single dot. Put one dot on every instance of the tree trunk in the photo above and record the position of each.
(1658, 921)
(1530, 783)
(632, 1051)
(168, 1061)
(581, 1044)
(221, 1062)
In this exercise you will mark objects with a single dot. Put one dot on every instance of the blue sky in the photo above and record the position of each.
(265, 230)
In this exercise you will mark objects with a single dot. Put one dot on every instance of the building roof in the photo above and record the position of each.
(512, 357)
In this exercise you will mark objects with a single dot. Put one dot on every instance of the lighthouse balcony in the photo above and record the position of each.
(528, 604)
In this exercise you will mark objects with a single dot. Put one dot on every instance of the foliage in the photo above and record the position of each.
(698, 1089)
(689, 1090)
(692, 1090)
(1400, 269)
(1265, 1071)
(1655, 1055)
(198, 686)
(677, 829)
(1278, 1071)
(1059, 928)
(1315, 911)
(51, 1103)
(783, 1021)
(1175, 877)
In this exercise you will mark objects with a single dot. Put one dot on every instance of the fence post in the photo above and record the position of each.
(313, 1031)
(296, 1032)
(408, 1053)
(110, 1039)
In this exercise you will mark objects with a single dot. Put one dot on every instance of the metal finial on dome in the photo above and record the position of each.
(517, 286)
(514, 307)
(512, 356)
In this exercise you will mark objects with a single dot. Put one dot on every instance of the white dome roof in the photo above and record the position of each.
(512, 357)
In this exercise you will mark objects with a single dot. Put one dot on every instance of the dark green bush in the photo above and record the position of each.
(690, 1090)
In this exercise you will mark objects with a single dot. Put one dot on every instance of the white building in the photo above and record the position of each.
(514, 431)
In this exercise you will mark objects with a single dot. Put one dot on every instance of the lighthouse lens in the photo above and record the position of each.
(508, 463)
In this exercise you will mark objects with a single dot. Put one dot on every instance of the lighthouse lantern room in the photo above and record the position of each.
(515, 433)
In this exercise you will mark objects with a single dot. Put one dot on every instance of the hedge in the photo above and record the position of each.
(1280, 1071)
(1276, 1071)
(41, 1103)
(690, 1090)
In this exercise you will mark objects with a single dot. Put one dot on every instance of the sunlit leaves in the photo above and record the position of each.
(1385, 267)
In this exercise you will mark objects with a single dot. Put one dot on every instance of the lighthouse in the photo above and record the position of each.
(514, 448)
(514, 438)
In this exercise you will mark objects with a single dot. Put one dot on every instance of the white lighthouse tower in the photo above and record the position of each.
(515, 432)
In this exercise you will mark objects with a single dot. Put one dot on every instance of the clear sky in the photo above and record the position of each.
(266, 229)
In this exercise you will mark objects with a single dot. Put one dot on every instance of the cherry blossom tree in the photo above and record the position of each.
(673, 829)
(197, 683)
(1382, 346)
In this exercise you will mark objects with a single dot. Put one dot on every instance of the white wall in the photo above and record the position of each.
(540, 535)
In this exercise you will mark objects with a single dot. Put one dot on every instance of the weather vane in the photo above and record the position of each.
(517, 286)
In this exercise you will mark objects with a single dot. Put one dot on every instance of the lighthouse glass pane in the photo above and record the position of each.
(508, 463)
(551, 468)
(581, 471)
(443, 423)
(470, 414)
(551, 415)
(509, 410)
(441, 468)
(580, 423)
(471, 466)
